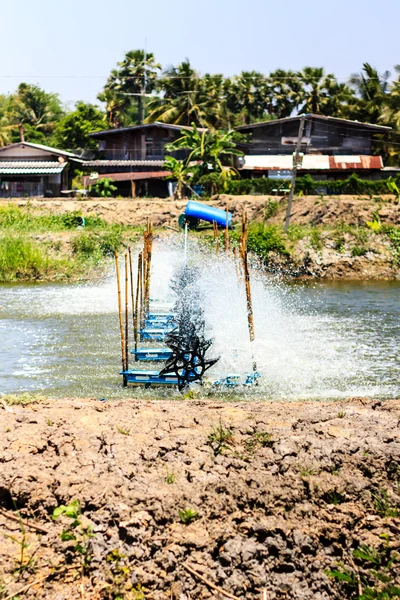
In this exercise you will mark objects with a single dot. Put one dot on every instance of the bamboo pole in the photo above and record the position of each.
(126, 313)
(149, 249)
(137, 303)
(246, 272)
(216, 237)
(142, 271)
(121, 325)
(226, 230)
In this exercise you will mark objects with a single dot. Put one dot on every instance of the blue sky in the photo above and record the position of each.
(70, 47)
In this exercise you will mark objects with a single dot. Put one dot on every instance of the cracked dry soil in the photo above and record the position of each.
(281, 493)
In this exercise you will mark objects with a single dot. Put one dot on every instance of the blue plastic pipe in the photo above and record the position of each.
(198, 210)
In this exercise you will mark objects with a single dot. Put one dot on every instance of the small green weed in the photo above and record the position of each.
(258, 439)
(307, 472)
(383, 505)
(188, 515)
(271, 208)
(123, 430)
(75, 531)
(220, 438)
(333, 497)
(341, 414)
(24, 399)
(170, 478)
(316, 240)
(358, 251)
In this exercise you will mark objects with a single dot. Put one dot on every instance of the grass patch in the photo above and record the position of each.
(24, 399)
(220, 438)
(188, 515)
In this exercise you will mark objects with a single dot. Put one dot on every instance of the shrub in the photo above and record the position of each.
(85, 244)
(359, 251)
(265, 239)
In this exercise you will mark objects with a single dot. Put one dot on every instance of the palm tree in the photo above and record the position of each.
(390, 115)
(285, 89)
(207, 151)
(135, 76)
(248, 95)
(33, 111)
(180, 103)
(371, 89)
(321, 94)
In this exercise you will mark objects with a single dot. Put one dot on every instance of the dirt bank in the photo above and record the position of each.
(314, 210)
(279, 493)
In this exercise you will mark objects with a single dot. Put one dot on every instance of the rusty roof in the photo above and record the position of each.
(312, 116)
(311, 162)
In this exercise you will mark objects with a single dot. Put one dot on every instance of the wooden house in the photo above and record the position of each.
(332, 147)
(28, 169)
(133, 157)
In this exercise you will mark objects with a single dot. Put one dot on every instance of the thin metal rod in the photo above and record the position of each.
(121, 325)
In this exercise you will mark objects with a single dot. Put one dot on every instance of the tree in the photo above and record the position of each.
(104, 187)
(248, 96)
(371, 90)
(72, 131)
(179, 173)
(180, 103)
(285, 88)
(134, 78)
(33, 113)
(321, 94)
(207, 151)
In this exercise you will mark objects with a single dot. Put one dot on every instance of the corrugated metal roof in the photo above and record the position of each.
(31, 167)
(312, 116)
(311, 162)
(128, 176)
(143, 126)
(49, 149)
(123, 163)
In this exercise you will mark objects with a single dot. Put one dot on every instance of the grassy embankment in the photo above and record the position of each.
(53, 247)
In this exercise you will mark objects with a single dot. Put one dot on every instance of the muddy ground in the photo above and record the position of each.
(280, 494)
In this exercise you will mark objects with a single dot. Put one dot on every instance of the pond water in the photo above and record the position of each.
(313, 341)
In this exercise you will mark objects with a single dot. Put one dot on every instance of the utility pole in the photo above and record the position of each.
(295, 163)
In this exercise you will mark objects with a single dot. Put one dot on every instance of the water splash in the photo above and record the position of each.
(312, 341)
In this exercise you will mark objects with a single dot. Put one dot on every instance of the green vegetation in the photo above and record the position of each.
(220, 438)
(371, 573)
(24, 399)
(75, 531)
(170, 478)
(25, 254)
(383, 505)
(123, 430)
(188, 515)
(258, 439)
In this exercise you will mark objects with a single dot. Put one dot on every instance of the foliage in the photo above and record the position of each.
(258, 439)
(220, 438)
(353, 185)
(188, 515)
(75, 531)
(264, 239)
(372, 573)
(25, 399)
(104, 188)
(71, 132)
(30, 113)
(134, 77)
(180, 173)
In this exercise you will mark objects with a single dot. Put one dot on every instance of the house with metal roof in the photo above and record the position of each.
(133, 157)
(28, 169)
(333, 148)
